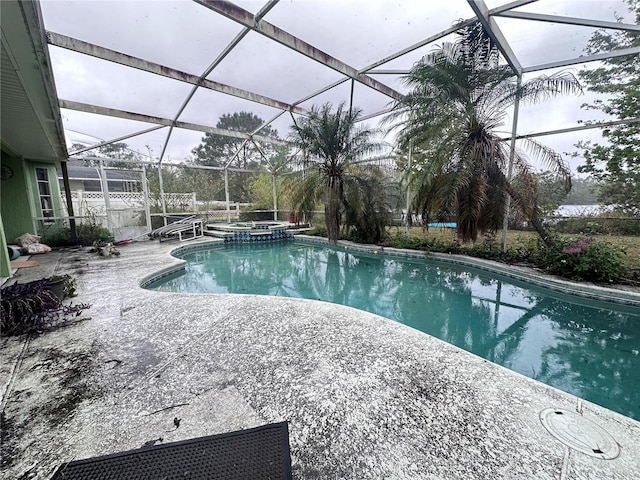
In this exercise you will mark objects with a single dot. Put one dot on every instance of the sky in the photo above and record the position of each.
(189, 37)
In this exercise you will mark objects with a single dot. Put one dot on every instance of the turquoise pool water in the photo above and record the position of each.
(588, 349)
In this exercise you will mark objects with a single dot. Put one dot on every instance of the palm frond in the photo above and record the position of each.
(551, 160)
(544, 87)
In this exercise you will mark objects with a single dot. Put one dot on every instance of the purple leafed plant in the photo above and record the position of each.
(30, 307)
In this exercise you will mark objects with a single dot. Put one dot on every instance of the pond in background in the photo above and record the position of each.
(585, 348)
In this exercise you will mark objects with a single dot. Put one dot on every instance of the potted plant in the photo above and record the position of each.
(28, 307)
(106, 250)
(62, 286)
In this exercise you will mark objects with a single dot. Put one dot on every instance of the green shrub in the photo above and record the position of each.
(428, 244)
(626, 227)
(318, 231)
(526, 251)
(59, 235)
(482, 250)
(520, 254)
(88, 233)
(593, 228)
(401, 241)
(582, 259)
(55, 234)
(594, 225)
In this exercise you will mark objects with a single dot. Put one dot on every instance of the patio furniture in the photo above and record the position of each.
(184, 229)
(256, 453)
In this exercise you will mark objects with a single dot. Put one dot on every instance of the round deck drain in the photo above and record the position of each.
(581, 434)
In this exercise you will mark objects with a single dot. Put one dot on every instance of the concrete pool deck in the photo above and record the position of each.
(365, 397)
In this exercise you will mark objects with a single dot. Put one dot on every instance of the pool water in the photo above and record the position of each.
(588, 349)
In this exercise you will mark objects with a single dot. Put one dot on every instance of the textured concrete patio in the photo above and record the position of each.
(365, 397)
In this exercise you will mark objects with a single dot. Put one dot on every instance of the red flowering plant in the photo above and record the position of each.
(578, 246)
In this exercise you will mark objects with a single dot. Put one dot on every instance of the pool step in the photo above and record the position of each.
(218, 233)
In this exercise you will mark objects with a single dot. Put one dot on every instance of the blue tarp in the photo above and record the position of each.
(443, 225)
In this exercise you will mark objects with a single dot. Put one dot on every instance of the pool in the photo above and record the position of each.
(589, 349)
(249, 232)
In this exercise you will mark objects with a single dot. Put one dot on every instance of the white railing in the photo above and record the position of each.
(128, 208)
(186, 201)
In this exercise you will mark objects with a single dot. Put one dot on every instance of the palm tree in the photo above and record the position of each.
(459, 94)
(369, 198)
(333, 144)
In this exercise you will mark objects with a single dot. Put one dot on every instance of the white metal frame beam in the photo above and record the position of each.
(241, 147)
(322, 90)
(438, 36)
(590, 126)
(426, 41)
(482, 12)
(582, 22)
(112, 112)
(247, 19)
(256, 23)
(114, 140)
(226, 51)
(75, 45)
(154, 164)
(587, 59)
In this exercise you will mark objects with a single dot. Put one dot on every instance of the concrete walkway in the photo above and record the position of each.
(365, 397)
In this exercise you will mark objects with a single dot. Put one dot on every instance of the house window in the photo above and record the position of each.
(92, 186)
(44, 192)
(129, 186)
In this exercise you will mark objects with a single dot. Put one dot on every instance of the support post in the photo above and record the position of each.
(145, 192)
(80, 203)
(407, 221)
(226, 194)
(275, 198)
(351, 96)
(512, 151)
(162, 199)
(67, 195)
(105, 193)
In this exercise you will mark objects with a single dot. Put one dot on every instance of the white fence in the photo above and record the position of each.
(94, 202)
(126, 215)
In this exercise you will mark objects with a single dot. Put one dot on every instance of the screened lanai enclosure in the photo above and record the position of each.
(200, 97)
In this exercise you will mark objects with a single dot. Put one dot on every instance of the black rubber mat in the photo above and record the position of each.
(256, 454)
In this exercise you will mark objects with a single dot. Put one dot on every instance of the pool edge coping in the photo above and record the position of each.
(541, 279)
(526, 274)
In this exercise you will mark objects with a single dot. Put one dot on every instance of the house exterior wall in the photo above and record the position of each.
(16, 200)
(19, 196)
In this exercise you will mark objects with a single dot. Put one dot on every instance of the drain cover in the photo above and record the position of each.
(581, 434)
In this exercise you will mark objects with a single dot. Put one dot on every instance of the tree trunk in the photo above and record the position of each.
(532, 216)
(332, 215)
(537, 225)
